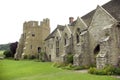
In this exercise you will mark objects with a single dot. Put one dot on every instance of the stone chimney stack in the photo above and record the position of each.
(71, 19)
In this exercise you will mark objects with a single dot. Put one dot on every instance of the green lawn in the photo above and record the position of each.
(31, 70)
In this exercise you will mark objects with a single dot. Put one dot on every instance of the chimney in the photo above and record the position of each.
(71, 19)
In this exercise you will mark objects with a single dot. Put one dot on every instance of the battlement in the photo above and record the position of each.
(36, 23)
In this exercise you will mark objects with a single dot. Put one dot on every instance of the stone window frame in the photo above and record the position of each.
(33, 35)
(77, 36)
(65, 39)
(57, 46)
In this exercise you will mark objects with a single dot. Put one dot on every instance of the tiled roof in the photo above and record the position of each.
(88, 17)
(112, 7)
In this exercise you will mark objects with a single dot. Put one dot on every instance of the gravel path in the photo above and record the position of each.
(82, 71)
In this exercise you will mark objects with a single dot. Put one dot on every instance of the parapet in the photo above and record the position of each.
(45, 22)
(30, 23)
(35, 23)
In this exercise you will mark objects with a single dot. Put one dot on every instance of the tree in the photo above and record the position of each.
(13, 47)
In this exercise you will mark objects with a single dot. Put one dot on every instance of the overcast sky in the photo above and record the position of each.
(13, 13)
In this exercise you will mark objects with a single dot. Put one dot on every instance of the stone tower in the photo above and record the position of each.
(32, 40)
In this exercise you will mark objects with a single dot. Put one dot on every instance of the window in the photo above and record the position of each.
(57, 52)
(77, 35)
(77, 38)
(39, 49)
(78, 30)
(65, 39)
(57, 43)
(57, 47)
(33, 35)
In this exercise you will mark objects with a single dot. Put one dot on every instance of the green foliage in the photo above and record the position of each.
(5, 46)
(108, 70)
(92, 70)
(43, 56)
(13, 47)
(117, 71)
(25, 57)
(70, 58)
(80, 67)
(11, 51)
(32, 57)
(7, 53)
(59, 65)
(69, 66)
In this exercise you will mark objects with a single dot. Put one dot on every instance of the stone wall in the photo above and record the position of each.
(33, 38)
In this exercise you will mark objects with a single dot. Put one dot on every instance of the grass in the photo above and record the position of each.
(31, 70)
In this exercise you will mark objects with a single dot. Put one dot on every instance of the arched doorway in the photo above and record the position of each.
(96, 51)
(39, 49)
(49, 57)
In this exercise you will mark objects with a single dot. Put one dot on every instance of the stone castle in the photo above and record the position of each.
(32, 39)
(92, 39)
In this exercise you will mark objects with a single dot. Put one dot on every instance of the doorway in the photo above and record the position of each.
(39, 49)
(96, 51)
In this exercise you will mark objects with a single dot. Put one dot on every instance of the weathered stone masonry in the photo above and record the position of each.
(32, 40)
(92, 39)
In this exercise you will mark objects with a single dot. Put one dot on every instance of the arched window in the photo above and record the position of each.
(39, 49)
(57, 47)
(57, 42)
(97, 49)
(77, 38)
(65, 38)
(78, 35)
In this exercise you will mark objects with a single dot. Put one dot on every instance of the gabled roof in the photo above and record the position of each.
(112, 7)
(88, 17)
(51, 35)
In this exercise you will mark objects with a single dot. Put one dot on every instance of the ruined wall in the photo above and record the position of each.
(101, 20)
(80, 41)
(34, 35)
(20, 47)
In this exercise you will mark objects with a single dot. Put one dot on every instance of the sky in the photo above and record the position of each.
(13, 13)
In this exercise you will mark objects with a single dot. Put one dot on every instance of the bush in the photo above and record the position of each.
(13, 47)
(43, 57)
(108, 70)
(32, 57)
(69, 66)
(25, 57)
(92, 70)
(117, 71)
(59, 65)
(7, 53)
